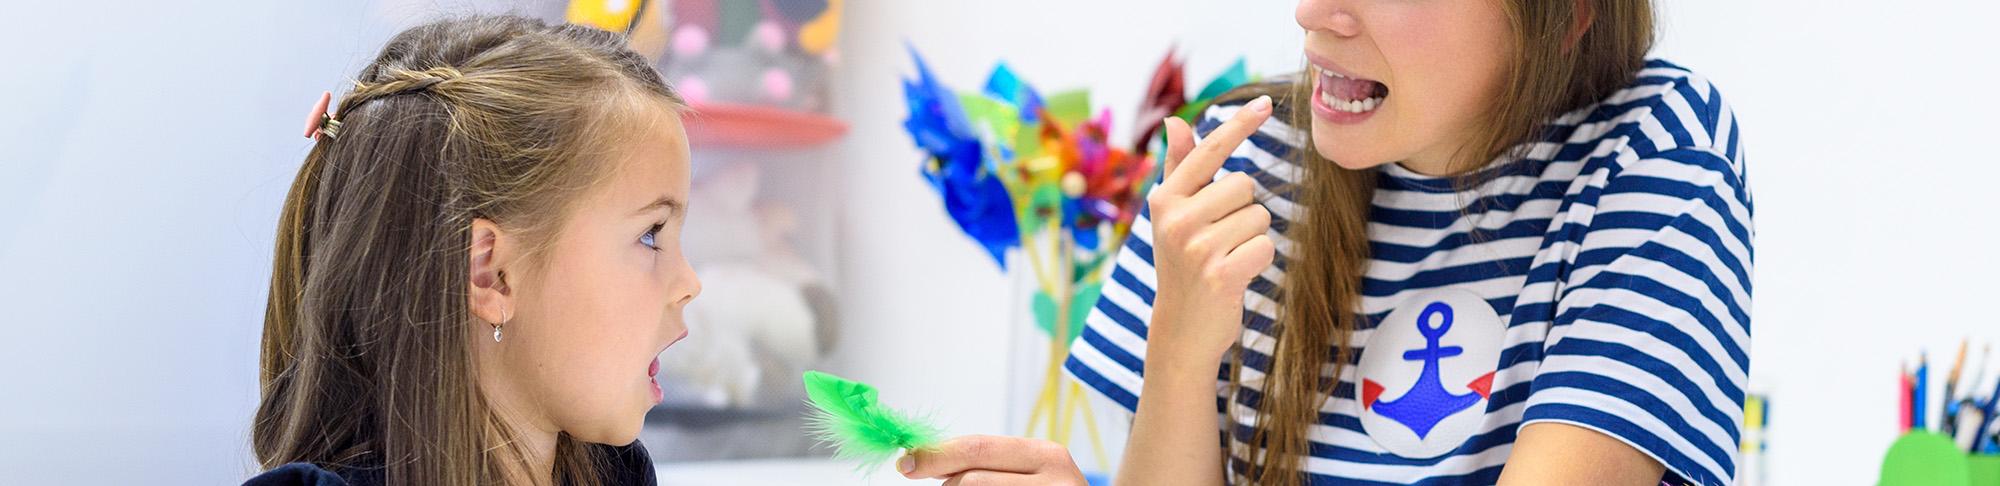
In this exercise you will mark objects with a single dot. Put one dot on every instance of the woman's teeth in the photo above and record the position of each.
(1351, 106)
(1332, 83)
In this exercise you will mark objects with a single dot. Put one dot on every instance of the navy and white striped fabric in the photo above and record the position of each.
(1615, 256)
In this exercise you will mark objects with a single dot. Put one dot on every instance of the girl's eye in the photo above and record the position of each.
(651, 238)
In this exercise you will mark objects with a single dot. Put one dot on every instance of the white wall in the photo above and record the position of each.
(1869, 127)
(139, 178)
(142, 158)
(144, 150)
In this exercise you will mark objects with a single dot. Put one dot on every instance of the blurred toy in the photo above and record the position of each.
(644, 22)
(761, 52)
(1020, 170)
(762, 312)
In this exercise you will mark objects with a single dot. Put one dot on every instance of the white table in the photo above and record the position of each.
(776, 472)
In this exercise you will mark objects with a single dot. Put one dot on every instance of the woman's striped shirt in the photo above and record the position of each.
(1600, 279)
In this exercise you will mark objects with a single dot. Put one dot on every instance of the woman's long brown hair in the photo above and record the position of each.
(1320, 298)
(367, 357)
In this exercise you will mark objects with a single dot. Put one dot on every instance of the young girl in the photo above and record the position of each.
(479, 263)
(1478, 241)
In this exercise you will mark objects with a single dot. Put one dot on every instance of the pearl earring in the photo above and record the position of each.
(504, 316)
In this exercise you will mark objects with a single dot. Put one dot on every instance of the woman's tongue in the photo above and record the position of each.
(1348, 88)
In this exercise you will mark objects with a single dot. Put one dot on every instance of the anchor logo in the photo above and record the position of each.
(1427, 402)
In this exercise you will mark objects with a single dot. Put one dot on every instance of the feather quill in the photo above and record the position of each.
(847, 415)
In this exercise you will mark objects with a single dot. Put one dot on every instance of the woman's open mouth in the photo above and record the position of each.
(1343, 99)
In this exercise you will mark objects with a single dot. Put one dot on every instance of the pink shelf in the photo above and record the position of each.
(749, 126)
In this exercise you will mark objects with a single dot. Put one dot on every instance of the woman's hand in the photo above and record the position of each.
(1209, 241)
(993, 460)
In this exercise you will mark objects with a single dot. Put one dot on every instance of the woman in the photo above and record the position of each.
(1477, 241)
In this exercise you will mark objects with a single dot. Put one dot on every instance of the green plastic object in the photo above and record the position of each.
(1925, 459)
(1069, 108)
(1985, 470)
(1079, 308)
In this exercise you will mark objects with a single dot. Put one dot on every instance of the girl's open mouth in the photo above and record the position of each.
(653, 375)
(653, 370)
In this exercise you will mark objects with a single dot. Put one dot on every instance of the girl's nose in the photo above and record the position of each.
(690, 289)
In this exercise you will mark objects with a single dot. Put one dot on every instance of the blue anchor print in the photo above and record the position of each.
(1427, 402)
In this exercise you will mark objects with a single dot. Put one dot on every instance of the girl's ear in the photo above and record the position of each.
(487, 294)
(1585, 14)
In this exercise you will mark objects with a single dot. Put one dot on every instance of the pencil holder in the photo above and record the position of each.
(1983, 469)
(1928, 458)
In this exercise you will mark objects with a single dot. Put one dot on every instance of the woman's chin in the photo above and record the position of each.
(1349, 151)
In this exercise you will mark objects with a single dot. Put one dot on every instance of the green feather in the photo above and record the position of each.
(847, 415)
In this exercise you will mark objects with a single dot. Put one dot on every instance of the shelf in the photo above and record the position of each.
(729, 125)
(696, 416)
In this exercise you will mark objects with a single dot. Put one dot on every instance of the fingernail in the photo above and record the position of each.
(907, 464)
(1261, 104)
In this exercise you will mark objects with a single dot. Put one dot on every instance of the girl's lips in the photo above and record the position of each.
(652, 378)
(653, 370)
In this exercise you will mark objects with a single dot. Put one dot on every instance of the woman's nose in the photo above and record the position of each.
(1330, 16)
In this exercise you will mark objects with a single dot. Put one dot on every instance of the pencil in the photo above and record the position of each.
(1948, 420)
(1957, 367)
(1917, 410)
(1903, 384)
(1987, 411)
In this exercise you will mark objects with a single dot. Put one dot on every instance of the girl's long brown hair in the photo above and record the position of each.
(367, 358)
(1320, 298)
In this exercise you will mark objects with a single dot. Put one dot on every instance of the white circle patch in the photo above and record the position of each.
(1427, 371)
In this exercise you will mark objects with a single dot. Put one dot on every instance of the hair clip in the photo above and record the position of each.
(318, 121)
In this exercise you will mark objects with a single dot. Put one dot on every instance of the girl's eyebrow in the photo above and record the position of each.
(673, 206)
